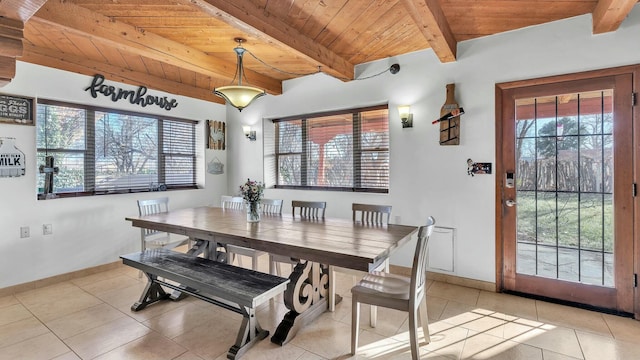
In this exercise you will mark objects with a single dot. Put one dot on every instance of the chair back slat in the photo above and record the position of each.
(309, 209)
(272, 206)
(232, 202)
(150, 207)
(371, 214)
(418, 273)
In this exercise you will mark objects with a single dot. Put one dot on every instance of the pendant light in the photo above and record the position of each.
(239, 96)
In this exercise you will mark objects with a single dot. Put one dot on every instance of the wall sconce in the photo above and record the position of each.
(250, 134)
(406, 116)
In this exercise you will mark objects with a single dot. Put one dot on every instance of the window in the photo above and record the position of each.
(345, 151)
(101, 151)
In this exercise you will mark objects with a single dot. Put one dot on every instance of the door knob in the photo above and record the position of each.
(510, 203)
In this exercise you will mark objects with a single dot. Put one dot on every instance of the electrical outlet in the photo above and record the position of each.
(47, 229)
(24, 232)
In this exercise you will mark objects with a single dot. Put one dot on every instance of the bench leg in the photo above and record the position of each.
(152, 293)
(250, 332)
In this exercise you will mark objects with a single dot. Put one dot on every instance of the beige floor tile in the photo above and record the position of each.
(376, 346)
(8, 301)
(266, 350)
(459, 314)
(551, 355)
(508, 304)
(45, 346)
(622, 328)
(107, 337)
(514, 327)
(21, 330)
(575, 318)
(488, 322)
(12, 313)
(453, 292)
(483, 346)
(48, 294)
(67, 356)
(55, 309)
(389, 323)
(596, 347)
(183, 319)
(310, 356)
(109, 284)
(122, 299)
(445, 340)
(435, 306)
(328, 338)
(188, 356)
(464, 324)
(555, 338)
(88, 280)
(211, 339)
(83, 320)
(149, 347)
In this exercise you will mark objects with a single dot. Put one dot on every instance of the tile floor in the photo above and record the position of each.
(89, 318)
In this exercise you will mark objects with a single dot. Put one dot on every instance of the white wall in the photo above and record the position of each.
(87, 231)
(426, 178)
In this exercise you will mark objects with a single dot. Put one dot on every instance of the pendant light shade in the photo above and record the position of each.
(239, 96)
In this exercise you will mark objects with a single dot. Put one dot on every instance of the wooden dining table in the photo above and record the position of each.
(317, 243)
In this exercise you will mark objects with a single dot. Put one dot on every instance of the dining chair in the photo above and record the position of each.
(367, 214)
(154, 238)
(232, 202)
(269, 207)
(308, 210)
(397, 292)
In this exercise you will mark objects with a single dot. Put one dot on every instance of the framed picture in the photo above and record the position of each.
(216, 131)
(17, 110)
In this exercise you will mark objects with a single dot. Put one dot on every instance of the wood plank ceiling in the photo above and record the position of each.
(185, 47)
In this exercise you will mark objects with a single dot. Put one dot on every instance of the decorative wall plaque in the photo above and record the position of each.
(16, 110)
(216, 131)
(11, 159)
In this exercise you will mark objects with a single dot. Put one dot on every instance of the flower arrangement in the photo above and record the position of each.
(252, 194)
(252, 191)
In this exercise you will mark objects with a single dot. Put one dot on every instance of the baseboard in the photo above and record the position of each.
(447, 278)
(401, 270)
(58, 278)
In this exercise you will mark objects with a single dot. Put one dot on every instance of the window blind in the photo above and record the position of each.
(343, 150)
(101, 151)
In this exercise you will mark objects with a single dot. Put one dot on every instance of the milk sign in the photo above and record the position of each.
(11, 158)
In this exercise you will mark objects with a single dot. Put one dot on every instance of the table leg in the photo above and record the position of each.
(305, 297)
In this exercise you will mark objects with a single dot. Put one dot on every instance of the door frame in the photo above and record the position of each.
(500, 89)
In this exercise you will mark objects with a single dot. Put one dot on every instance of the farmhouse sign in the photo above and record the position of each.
(136, 97)
(16, 110)
(11, 158)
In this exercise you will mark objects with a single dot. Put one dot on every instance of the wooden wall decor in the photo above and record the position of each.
(450, 126)
(216, 134)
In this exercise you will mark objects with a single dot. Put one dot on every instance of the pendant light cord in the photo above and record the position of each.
(392, 69)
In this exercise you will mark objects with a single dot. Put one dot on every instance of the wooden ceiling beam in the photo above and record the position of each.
(13, 15)
(21, 10)
(52, 58)
(138, 41)
(609, 14)
(247, 17)
(428, 15)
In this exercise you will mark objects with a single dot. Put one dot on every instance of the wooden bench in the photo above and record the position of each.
(237, 289)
